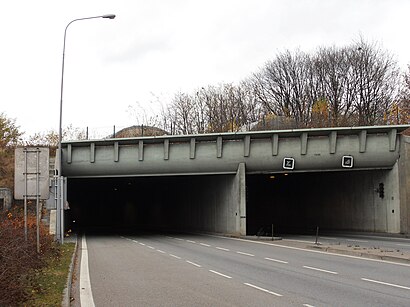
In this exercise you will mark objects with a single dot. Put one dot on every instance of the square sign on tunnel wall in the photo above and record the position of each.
(288, 163)
(347, 161)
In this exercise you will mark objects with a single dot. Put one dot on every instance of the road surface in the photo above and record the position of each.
(199, 270)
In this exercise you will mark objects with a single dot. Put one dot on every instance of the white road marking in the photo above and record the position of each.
(169, 237)
(135, 241)
(222, 249)
(246, 254)
(175, 256)
(407, 245)
(203, 244)
(220, 274)
(142, 244)
(179, 239)
(86, 295)
(190, 241)
(276, 260)
(193, 263)
(314, 251)
(149, 246)
(307, 305)
(262, 289)
(385, 283)
(355, 240)
(162, 252)
(320, 270)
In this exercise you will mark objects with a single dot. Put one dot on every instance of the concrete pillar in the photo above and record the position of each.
(404, 184)
(240, 180)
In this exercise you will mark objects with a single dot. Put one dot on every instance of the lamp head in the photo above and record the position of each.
(109, 16)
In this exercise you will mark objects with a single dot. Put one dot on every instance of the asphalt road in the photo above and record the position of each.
(194, 270)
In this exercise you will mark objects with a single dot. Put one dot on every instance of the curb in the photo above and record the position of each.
(361, 254)
(67, 290)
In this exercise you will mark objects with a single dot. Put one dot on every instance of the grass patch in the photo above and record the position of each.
(46, 286)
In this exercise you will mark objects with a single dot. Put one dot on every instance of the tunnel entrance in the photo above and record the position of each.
(332, 201)
(177, 203)
(292, 203)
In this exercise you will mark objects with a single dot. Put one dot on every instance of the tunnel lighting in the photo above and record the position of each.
(285, 174)
(272, 177)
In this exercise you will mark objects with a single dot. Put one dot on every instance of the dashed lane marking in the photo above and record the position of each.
(245, 254)
(220, 274)
(162, 252)
(190, 241)
(320, 270)
(175, 256)
(276, 260)
(193, 263)
(222, 249)
(203, 244)
(262, 289)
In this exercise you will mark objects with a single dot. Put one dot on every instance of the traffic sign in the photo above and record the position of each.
(288, 163)
(347, 161)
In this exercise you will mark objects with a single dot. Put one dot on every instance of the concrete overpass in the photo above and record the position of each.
(237, 183)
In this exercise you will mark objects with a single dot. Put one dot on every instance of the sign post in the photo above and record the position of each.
(31, 180)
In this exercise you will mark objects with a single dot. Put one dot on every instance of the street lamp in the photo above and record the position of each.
(59, 150)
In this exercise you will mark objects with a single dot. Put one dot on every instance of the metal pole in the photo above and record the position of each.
(25, 194)
(317, 234)
(62, 208)
(38, 199)
(59, 150)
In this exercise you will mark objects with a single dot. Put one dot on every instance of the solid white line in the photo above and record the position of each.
(193, 263)
(190, 241)
(86, 295)
(320, 270)
(222, 249)
(203, 244)
(264, 290)
(162, 252)
(407, 245)
(386, 283)
(220, 274)
(175, 256)
(246, 254)
(276, 260)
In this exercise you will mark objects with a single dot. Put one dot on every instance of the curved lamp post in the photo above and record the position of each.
(60, 230)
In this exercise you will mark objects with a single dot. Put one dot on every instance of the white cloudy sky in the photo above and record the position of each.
(158, 47)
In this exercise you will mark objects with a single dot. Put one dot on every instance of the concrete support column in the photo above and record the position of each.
(404, 184)
(240, 181)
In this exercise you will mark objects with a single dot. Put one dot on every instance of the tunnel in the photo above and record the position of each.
(288, 202)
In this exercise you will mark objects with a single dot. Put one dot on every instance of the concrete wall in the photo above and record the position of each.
(215, 204)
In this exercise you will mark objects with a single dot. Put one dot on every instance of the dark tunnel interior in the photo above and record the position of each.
(291, 203)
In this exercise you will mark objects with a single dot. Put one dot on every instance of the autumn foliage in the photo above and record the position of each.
(19, 258)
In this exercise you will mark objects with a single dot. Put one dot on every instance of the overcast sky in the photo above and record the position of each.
(159, 47)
